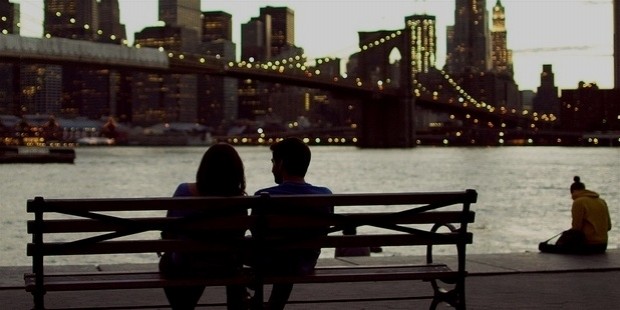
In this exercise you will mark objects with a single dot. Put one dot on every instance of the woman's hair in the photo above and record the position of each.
(221, 172)
(577, 185)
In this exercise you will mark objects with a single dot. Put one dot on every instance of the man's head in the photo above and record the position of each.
(290, 158)
(577, 185)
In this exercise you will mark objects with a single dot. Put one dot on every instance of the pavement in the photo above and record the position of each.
(529, 280)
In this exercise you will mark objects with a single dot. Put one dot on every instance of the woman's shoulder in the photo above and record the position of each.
(186, 189)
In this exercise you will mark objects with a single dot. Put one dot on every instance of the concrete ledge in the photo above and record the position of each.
(477, 264)
(496, 281)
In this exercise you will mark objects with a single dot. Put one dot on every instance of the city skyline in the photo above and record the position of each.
(588, 58)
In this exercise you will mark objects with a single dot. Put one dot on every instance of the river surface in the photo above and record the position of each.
(523, 191)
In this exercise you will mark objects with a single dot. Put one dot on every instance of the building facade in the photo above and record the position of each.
(590, 109)
(216, 25)
(165, 97)
(181, 13)
(110, 28)
(468, 45)
(217, 96)
(9, 17)
(281, 29)
(71, 19)
(270, 36)
(9, 88)
(616, 9)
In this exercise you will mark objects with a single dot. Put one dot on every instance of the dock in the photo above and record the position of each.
(528, 280)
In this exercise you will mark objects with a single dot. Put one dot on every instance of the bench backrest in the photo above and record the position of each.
(115, 225)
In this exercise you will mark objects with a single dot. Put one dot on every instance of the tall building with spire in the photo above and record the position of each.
(501, 56)
(468, 47)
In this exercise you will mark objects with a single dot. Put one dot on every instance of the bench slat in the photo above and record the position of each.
(373, 273)
(133, 280)
(200, 203)
(154, 246)
(129, 280)
(240, 222)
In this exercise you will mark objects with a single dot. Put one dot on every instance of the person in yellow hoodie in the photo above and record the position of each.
(590, 224)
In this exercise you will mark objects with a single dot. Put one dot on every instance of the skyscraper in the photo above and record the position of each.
(216, 25)
(616, 44)
(9, 72)
(217, 95)
(85, 91)
(9, 17)
(423, 42)
(165, 97)
(267, 37)
(110, 28)
(501, 56)
(253, 40)
(182, 13)
(546, 100)
(281, 27)
(169, 97)
(72, 19)
(469, 50)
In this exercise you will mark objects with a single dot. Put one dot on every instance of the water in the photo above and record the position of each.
(523, 191)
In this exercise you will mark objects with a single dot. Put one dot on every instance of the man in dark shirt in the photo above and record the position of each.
(290, 161)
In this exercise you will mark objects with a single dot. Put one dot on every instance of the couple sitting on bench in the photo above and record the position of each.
(221, 173)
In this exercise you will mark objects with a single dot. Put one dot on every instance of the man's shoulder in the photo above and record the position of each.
(292, 189)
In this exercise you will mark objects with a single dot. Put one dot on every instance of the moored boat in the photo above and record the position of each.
(36, 155)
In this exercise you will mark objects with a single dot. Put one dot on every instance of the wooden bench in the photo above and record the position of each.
(97, 226)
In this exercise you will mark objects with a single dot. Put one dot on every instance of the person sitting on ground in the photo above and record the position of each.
(221, 173)
(290, 161)
(351, 251)
(590, 224)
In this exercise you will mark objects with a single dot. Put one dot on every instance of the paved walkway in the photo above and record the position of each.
(496, 281)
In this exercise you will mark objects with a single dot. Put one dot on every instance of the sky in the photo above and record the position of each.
(574, 36)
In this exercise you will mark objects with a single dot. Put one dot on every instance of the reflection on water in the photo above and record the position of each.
(523, 191)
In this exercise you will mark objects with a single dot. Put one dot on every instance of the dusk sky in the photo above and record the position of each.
(574, 36)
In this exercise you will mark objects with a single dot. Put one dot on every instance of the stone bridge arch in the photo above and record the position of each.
(388, 120)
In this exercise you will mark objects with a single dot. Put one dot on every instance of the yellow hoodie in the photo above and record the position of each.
(590, 215)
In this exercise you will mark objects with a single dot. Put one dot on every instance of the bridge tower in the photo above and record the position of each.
(385, 61)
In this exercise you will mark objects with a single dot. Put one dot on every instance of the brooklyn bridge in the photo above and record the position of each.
(396, 109)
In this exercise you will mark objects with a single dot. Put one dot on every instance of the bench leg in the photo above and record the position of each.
(256, 302)
(454, 297)
(39, 300)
